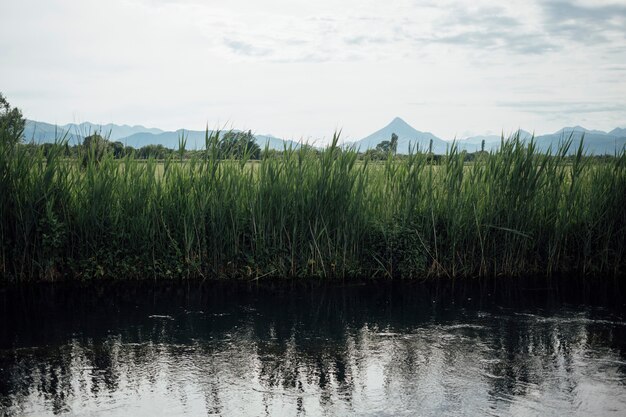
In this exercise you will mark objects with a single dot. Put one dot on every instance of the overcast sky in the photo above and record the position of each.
(301, 69)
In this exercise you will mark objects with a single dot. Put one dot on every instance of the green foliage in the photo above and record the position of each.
(94, 148)
(118, 149)
(11, 122)
(383, 149)
(153, 151)
(303, 212)
(393, 143)
(384, 146)
(238, 145)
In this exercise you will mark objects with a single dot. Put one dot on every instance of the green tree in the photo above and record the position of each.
(384, 146)
(238, 145)
(393, 144)
(94, 148)
(118, 149)
(374, 155)
(11, 122)
(153, 151)
(129, 150)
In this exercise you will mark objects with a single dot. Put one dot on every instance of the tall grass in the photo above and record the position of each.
(512, 212)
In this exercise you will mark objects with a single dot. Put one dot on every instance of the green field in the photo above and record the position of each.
(308, 214)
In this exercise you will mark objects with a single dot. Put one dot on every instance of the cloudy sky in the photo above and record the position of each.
(301, 69)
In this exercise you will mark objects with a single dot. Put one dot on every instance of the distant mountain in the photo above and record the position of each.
(474, 143)
(138, 136)
(619, 132)
(407, 137)
(492, 142)
(578, 129)
(46, 132)
(275, 143)
(110, 131)
(196, 140)
(594, 142)
(40, 132)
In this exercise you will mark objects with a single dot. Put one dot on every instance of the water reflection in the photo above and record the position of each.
(362, 350)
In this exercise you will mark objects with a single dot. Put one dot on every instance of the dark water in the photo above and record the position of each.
(307, 349)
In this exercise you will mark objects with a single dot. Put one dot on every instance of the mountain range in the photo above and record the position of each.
(595, 141)
(135, 136)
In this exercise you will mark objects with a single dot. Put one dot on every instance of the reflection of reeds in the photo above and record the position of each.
(354, 358)
(514, 211)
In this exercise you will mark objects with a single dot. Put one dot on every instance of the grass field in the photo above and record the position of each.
(513, 212)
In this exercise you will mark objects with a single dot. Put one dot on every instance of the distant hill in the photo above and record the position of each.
(407, 137)
(492, 142)
(138, 136)
(474, 143)
(195, 140)
(40, 132)
(275, 143)
(579, 129)
(110, 131)
(595, 142)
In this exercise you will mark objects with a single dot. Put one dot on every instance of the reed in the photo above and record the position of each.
(512, 212)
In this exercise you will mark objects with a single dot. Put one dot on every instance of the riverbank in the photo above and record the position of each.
(310, 214)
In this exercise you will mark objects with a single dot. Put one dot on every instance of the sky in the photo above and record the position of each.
(303, 69)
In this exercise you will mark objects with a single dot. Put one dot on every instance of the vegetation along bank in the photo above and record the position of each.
(306, 213)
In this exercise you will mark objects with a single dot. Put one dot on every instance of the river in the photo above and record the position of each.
(285, 348)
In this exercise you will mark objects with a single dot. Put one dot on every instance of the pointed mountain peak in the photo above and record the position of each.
(397, 121)
(407, 137)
